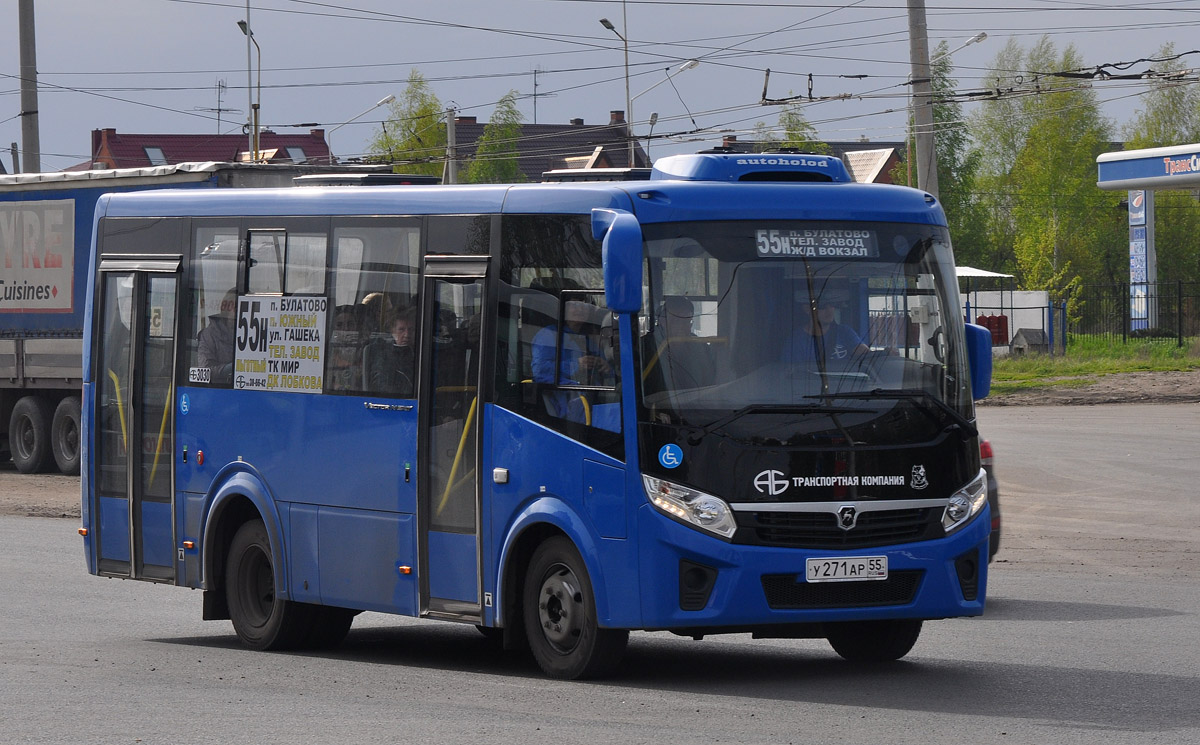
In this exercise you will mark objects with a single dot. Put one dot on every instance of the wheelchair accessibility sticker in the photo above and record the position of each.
(670, 456)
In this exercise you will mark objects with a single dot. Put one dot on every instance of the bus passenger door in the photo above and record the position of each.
(450, 409)
(134, 478)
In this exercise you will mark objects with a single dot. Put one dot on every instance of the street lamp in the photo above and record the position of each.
(688, 65)
(254, 105)
(628, 101)
(329, 135)
(670, 74)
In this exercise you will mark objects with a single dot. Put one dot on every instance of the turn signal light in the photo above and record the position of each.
(189, 545)
(404, 569)
(83, 532)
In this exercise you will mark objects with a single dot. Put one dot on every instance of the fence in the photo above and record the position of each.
(1162, 311)
(1019, 321)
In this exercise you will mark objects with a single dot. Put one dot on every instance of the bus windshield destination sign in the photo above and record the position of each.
(817, 244)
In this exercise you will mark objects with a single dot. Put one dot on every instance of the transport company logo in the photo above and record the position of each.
(771, 482)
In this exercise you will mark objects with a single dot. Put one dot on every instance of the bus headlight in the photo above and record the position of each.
(691, 506)
(965, 503)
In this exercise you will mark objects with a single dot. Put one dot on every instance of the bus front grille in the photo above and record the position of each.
(789, 592)
(821, 530)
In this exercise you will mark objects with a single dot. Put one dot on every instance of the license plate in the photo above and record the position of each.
(849, 569)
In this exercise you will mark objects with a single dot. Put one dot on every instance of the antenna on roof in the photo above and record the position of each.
(220, 90)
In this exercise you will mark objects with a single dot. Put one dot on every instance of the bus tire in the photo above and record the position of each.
(261, 619)
(559, 608)
(873, 641)
(64, 435)
(29, 435)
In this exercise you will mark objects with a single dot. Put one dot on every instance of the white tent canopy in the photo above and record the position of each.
(970, 271)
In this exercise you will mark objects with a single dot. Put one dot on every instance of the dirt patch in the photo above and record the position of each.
(1118, 388)
(38, 495)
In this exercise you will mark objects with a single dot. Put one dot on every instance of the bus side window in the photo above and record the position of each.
(547, 261)
(211, 305)
(376, 270)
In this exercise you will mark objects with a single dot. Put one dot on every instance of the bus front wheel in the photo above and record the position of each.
(560, 616)
(261, 619)
(873, 641)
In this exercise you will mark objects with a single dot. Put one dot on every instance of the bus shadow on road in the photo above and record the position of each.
(808, 672)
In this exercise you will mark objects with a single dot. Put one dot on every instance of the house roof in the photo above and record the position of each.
(112, 149)
(867, 165)
(546, 147)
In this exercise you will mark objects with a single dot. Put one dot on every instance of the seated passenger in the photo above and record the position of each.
(216, 340)
(582, 360)
(344, 369)
(391, 367)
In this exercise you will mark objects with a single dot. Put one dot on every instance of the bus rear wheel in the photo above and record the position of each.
(560, 616)
(261, 619)
(873, 641)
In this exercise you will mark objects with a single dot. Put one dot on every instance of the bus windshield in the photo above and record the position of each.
(778, 332)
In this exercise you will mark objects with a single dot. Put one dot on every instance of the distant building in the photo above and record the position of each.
(868, 162)
(546, 147)
(111, 149)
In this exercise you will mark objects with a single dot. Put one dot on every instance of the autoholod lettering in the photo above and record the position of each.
(782, 162)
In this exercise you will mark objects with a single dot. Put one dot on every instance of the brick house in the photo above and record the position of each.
(546, 147)
(111, 149)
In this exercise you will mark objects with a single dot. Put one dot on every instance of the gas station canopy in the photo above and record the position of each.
(1175, 167)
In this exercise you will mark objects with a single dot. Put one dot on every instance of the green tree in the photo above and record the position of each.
(794, 132)
(1171, 112)
(414, 136)
(1037, 146)
(496, 153)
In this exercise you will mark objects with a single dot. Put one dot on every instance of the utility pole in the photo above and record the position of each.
(922, 97)
(30, 140)
(450, 172)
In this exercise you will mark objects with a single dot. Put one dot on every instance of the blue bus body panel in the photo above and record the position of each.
(313, 200)
(548, 480)
(113, 522)
(652, 201)
(336, 465)
(455, 574)
(660, 201)
(738, 597)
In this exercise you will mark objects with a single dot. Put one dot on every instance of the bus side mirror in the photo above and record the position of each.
(979, 357)
(622, 235)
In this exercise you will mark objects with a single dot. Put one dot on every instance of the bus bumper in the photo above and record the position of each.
(690, 579)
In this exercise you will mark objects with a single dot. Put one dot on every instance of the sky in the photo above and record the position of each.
(158, 66)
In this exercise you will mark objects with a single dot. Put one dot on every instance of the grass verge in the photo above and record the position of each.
(1087, 359)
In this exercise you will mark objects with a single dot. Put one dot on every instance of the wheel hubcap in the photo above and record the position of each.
(560, 608)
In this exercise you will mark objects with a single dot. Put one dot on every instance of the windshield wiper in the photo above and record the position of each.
(694, 437)
(910, 394)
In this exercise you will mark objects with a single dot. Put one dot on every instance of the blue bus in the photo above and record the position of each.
(737, 396)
